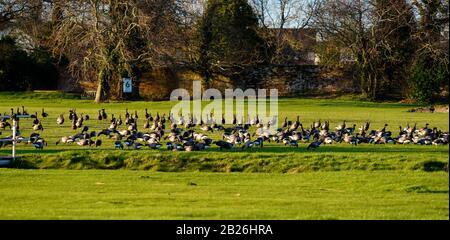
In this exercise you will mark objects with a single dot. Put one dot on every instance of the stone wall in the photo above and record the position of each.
(292, 80)
(289, 80)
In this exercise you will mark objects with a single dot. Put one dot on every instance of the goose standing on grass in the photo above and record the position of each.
(4, 124)
(23, 111)
(98, 143)
(79, 122)
(342, 126)
(44, 114)
(38, 126)
(104, 115)
(295, 125)
(74, 124)
(118, 145)
(285, 123)
(39, 144)
(314, 145)
(147, 124)
(99, 117)
(35, 120)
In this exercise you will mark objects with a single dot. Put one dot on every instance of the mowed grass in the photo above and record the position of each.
(336, 181)
(104, 194)
(309, 110)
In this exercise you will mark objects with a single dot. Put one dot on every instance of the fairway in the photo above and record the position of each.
(337, 181)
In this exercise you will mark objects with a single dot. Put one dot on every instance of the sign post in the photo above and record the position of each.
(14, 139)
(127, 85)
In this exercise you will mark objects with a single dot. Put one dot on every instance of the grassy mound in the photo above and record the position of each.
(252, 162)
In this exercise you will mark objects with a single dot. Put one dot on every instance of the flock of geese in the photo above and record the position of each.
(191, 134)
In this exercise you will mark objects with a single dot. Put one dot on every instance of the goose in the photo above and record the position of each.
(366, 126)
(285, 123)
(155, 146)
(181, 121)
(294, 126)
(118, 145)
(39, 144)
(207, 128)
(295, 136)
(113, 126)
(137, 146)
(34, 137)
(314, 145)
(132, 127)
(292, 143)
(106, 132)
(224, 145)
(170, 146)
(71, 115)
(113, 119)
(104, 115)
(223, 119)
(341, 127)
(147, 124)
(234, 119)
(317, 125)
(79, 123)
(129, 143)
(247, 143)
(4, 124)
(136, 115)
(259, 142)
(38, 127)
(87, 117)
(84, 142)
(326, 126)
(119, 121)
(65, 140)
(44, 114)
(100, 117)
(350, 130)
(98, 143)
(85, 129)
(328, 140)
(157, 118)
(23, 111)
(35, 120)
(350, 139)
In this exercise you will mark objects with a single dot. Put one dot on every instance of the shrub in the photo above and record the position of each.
(22, 71)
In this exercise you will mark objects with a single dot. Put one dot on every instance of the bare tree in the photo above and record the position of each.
(110, 39)
(276, 16)
(13, 10)
(367, 29)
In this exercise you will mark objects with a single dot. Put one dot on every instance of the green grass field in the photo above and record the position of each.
(103, 194)
(333, 182)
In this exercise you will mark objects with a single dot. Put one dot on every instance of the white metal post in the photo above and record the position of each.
(14, 139)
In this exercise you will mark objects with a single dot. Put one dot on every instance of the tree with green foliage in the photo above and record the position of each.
(40, 71)
(227, 38)
(429, 73)
(395, 28)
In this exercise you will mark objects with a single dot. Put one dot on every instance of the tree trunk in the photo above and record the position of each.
(99, 93)
(102, 86)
